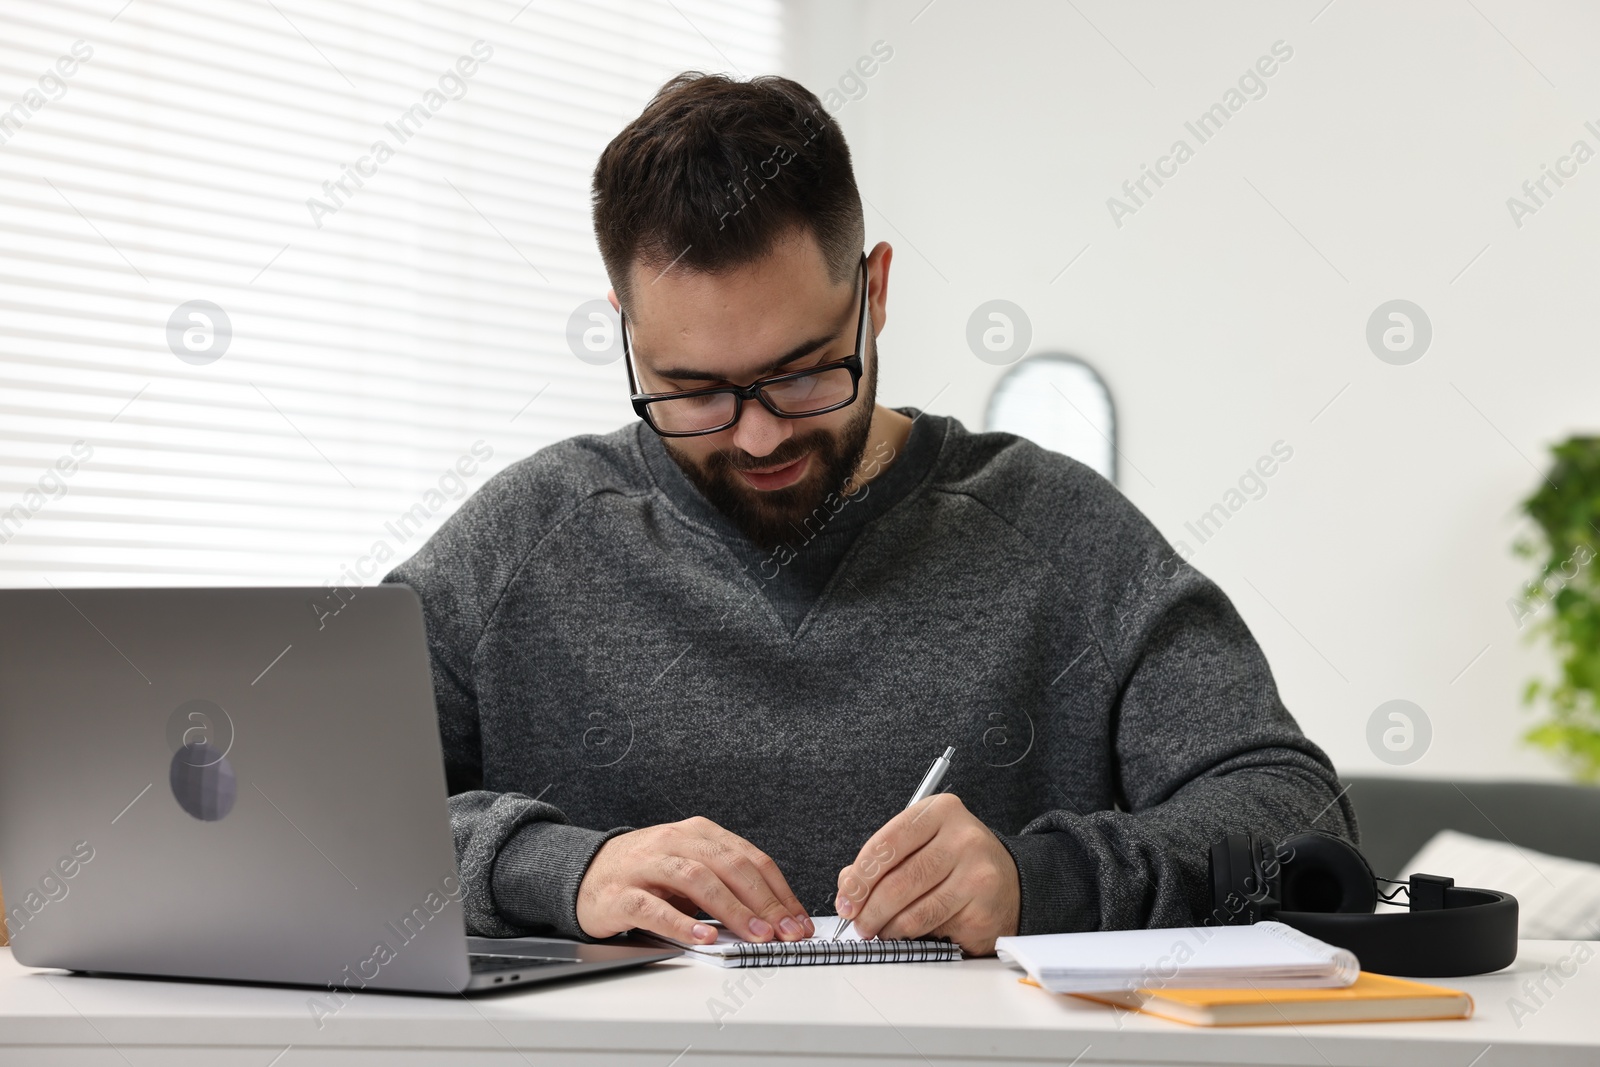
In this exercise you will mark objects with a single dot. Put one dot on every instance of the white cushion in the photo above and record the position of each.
(1558, 899)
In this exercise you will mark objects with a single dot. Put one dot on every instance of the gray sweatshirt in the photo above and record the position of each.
(609, 653)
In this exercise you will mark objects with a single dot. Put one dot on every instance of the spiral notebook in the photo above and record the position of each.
(729, 951)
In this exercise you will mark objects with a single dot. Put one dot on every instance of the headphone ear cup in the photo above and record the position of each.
(1322, 873)
(1242, 891)
(1233, 878)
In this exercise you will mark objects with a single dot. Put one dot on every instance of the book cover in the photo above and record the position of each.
(1371, 998)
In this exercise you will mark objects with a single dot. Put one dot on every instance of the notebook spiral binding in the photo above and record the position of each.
(799, 953)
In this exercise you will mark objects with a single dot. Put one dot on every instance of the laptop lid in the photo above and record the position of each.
(237, 783)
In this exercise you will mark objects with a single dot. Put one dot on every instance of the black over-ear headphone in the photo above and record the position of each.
(1320, 885)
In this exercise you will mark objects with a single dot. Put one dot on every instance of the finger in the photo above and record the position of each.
(928, 913)
(899, 837)
(686, 876)
(639, 910)
(909, 879)
(968, 929)
(755, 879)
(683, 904)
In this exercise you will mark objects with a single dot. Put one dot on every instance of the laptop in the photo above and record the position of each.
(239, 784)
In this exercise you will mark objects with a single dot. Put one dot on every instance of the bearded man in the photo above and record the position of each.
(692, 668)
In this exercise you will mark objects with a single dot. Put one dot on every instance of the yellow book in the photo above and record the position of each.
(1372, 998)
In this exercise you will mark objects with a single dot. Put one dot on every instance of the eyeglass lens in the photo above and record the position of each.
(798, 396)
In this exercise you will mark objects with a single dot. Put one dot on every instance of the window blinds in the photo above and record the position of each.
(283, 281)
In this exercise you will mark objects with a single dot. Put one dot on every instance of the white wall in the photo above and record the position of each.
(1378, 564)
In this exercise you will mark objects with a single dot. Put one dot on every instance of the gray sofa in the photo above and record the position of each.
(1398, 815)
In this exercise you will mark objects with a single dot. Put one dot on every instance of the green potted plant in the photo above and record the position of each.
(1563, 602)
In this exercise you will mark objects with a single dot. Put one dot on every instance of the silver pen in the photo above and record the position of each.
(929, 786)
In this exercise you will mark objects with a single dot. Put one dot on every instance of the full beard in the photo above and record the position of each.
(770, 517)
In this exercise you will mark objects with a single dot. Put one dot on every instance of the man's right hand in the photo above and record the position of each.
(658, 878)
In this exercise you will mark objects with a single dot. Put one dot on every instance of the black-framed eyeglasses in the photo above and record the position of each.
(794, 395)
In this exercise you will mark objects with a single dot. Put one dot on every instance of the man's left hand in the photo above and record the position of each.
(933, 869)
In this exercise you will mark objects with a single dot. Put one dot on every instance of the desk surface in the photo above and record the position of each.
(681, 1013)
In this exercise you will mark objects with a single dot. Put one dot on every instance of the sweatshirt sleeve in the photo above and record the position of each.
(1202, 746)
(520, 860)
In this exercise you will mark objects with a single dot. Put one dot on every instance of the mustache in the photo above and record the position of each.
(783, 455)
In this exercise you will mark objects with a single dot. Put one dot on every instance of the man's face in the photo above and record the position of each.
(696, 331)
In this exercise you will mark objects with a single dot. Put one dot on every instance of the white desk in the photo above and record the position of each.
(973, 1012)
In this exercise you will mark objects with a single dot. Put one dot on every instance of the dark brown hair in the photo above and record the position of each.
(714, 170)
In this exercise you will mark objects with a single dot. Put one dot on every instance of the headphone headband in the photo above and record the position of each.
(1474, 933)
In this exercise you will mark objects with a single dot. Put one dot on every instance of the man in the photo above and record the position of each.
(698, 664)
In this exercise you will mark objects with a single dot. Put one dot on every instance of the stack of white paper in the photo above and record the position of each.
(1267, 955)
